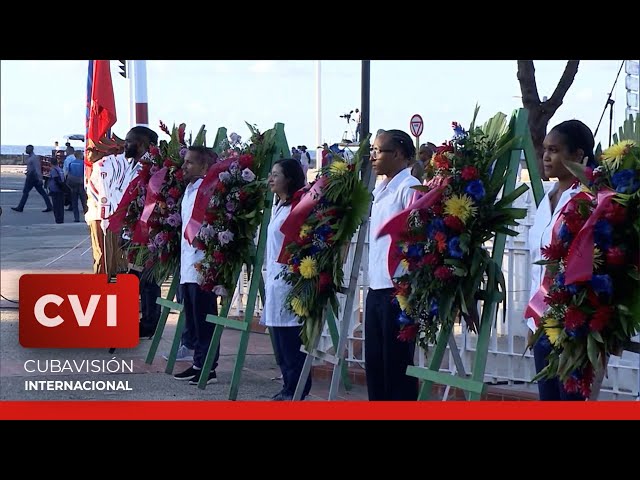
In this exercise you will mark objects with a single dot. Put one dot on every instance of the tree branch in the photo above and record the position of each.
(528, 86)
(565, 82)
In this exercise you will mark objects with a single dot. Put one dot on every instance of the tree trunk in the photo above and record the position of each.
(540, 112)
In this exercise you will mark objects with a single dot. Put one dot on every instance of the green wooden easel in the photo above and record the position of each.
(474, 386)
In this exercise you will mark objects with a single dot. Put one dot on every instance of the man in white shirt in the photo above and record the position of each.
(197, 302)
(386, 357)
(357, 117)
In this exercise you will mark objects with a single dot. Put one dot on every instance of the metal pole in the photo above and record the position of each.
(140, 92)
(365, 111)
(318, 114)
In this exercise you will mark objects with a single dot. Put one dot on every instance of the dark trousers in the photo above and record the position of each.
(549, 388)
(78, 193)
(386, 358)
(32, 181)
(149, 292)
(58, 206)
(197, 305)
(291, 360)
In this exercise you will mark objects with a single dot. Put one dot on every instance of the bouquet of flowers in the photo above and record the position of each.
(589, 303)
(228, 210)
(439, 239)
(153, 221)
(323, 219)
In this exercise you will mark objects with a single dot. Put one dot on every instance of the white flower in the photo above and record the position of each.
(235, 138)
(220, 291)
(248, 175)
(224, 177)
(225, 237)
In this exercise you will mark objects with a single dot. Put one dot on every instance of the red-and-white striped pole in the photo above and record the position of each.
(139, 102)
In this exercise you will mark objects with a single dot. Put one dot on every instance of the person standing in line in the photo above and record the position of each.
(386, 357)
(570, 141)
(285, 179)
(56, 190)
(74, 175)
(33, 180)
(197, 302)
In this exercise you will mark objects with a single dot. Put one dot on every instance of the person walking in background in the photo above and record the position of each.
(197, 302)
(57, 190)
(33, 180)
(569, 141)
(357, 117)
(305, 160)
(386, 357)
(285, 179)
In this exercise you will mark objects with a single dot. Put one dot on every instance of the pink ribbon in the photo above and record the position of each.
(396, 227)
(205, 192)
(579, 264)
(153, 189)
(116, 220)
(298, 215)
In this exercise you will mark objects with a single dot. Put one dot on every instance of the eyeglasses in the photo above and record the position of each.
(374, 152)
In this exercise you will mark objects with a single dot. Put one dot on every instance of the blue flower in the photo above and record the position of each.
(602, 234)
(454, 248)
(572, 289)
(559, 280)
(565, 234)
(313, 250)
(623, 181)
(475, 189)
(433, 307)
(434, 226)
(404, 319)
(602, 284)
(414, 251)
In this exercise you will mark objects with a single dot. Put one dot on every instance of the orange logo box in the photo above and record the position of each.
(78, 311)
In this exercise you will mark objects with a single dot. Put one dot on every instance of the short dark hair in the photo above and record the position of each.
(145, 132)
(205, 155)
(292, 170)
(577, 136)
(402, 141)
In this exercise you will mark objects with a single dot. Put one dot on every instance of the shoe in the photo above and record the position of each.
(282, 397)
(212, 378)
(16, 209)
(46, 210)
(145, 332)
(188, 374)
(183, 355)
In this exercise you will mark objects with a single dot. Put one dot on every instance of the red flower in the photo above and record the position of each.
(441, 241)
(554, 251)
(218, 257)
(443, 273)
(164, 256)
(210, 216)
(440, 161)
(601, 318)
(403, 288)
(246, 161)
(431, 259)
(558, 297)
(324, 281)
(454, 223)
(437, 209)
(615, 256)
(174, 192)
(181, 129)
(615, 213)
(574, 221)
(154, 151)
(574, 318)
(447, 147)
(408, 333)
(589, 173)
(179, 174)
(571, 385)
(168, 163)
(469, 173)
(242, 196)
(199, 244)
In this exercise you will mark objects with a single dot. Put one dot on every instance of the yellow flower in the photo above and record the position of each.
(304, 231)
(338, 168)
(298, 307)
(404, 264)
(552, 329)
(614, 154)
(597, 258)
(308, 268)
(403, 302)
(460, 206)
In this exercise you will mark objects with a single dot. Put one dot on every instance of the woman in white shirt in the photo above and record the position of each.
(285, 179)
(570, 140)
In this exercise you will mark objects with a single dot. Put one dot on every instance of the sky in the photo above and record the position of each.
(43, 100)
